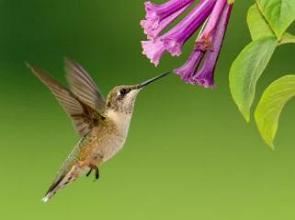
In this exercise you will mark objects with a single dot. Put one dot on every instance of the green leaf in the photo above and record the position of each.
(287, 39)
(246, 70)
(258, 26)
(270, 106)
(279, 14)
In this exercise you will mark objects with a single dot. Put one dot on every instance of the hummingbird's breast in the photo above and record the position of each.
(107, 139)
(118, 126)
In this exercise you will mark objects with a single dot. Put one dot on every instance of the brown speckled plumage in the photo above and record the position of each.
(102, 124)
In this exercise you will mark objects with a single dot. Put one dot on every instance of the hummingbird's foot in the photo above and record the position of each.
(89, 172)
(96, 172)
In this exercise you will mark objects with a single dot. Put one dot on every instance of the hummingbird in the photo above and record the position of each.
(102, 124)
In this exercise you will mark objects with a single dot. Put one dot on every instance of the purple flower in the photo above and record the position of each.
(158, 17)
(205, 76)
(153, 49)
(153, 27)
(177, 36)
(200, 66)
(173, 40)
(186, 72)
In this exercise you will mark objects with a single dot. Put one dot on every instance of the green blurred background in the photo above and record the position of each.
(189, 154)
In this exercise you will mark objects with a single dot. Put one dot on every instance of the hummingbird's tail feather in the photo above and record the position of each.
(47, 197)
(54, 188)
(60, 182)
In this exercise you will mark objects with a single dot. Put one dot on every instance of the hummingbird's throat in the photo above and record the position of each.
(121, 120)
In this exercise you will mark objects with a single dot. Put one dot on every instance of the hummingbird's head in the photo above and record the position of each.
(122, 98)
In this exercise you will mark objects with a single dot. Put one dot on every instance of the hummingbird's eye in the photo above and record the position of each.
(123, 92)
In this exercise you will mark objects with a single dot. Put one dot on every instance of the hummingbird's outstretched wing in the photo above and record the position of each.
(83, 116)
(83, 86)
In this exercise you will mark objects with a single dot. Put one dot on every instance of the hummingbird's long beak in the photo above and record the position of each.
(147, 82)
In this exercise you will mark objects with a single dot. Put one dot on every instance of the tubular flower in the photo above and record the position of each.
(205, 76)
(158, 17)
(187, 71)
(154, 25)
(200, 66)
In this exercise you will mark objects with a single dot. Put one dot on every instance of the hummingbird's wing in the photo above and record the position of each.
(83, 86)
(83, 116)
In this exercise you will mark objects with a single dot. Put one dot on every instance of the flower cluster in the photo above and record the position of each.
(200, 66)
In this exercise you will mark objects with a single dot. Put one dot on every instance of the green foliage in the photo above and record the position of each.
(270, 106)
(287, 39)
(268, 21)
(246, 70)
(257, 25)
(278, 13)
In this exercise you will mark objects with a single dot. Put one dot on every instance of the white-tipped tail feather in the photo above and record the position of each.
(61, 181)
(45, 199)
(52, 191)
(49, 195)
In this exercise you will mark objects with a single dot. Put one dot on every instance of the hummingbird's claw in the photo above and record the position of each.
(89, 172)
(96, 172)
